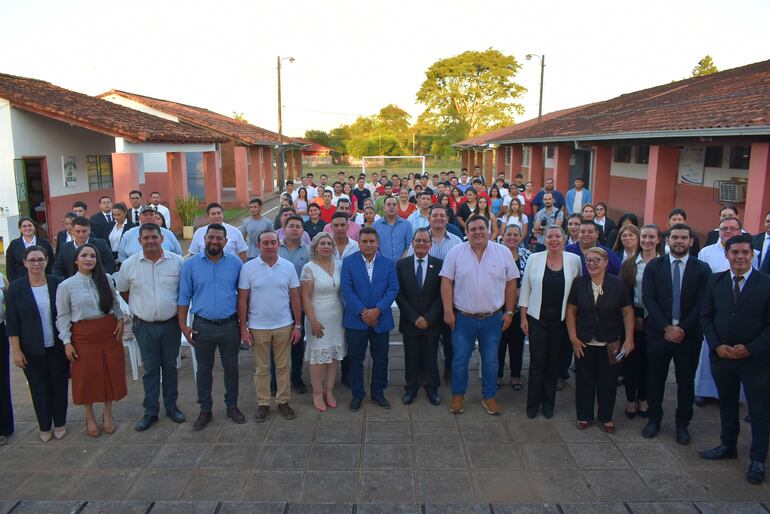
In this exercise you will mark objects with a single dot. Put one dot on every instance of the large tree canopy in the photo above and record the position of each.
(474, 90)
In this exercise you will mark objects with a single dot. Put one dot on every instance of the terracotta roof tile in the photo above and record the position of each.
(232, 128)
(95, 114)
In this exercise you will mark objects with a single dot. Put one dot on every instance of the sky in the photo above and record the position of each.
(354, 57)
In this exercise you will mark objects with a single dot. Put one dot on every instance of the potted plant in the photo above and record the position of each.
(187, 207)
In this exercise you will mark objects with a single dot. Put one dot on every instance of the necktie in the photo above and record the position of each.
(764, 251)
(419, 272)
(109, 218)
(136, 216)
(736, 288)
(676, 307)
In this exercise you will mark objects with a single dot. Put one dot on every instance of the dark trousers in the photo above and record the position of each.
(159, 345)
(635, 370)
(48, 379)
(421, 353)
(357, 341)
(227, 338)
(297, 356)
(511, 340)
(446, 341)
(595, 382)
(6, 407)
(729, 375)
(685, 356)
(546, 347)
(565, 360)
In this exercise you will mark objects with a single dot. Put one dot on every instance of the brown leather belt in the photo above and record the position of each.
(479, 315)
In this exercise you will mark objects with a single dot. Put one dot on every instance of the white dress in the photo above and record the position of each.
(328, 309)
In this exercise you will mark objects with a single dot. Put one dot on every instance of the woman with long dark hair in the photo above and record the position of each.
(35, 343)
(628, 218)
(90, 324)
(512, 339)
(14, 260)
(483, 209)
(496, 201)
(627, 242)
(301, 205)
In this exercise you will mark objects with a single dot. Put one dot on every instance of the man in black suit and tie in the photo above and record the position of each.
(421, 316)
(672, 290)
(736, 323)
(102, 219)
(761, 243)
(64, 266)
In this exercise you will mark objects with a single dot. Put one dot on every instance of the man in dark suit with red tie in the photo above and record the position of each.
(421, 315)
(736, 323)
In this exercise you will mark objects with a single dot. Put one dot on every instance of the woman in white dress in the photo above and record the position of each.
(320, 287)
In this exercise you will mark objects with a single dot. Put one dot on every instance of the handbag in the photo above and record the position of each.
(613, 347)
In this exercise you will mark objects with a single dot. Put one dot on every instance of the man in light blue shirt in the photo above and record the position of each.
(395, 233)
(419, 218)
(129, 243)
(578, 197)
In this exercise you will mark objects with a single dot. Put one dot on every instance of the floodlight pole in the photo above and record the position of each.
(281, 158)
(542, 73)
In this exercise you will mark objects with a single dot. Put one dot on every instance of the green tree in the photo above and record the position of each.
(240, 117)
(705, 66)
(473, 90)
(318, 136)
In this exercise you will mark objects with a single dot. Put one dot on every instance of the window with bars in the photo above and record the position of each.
(99, 172)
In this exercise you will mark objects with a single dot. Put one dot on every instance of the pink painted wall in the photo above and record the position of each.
(61, 205)
(626, 194)
(701, 207)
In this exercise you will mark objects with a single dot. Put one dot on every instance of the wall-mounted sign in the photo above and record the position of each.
(70, 169)
(692, 160)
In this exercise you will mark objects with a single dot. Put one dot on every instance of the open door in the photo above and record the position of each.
(21, 187)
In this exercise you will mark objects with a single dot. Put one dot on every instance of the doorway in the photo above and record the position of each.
(31, 191)
(580, 166)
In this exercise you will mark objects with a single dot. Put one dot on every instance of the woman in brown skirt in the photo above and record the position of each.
(90, 324)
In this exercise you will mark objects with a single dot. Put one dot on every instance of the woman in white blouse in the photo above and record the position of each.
(90, 324)
(119, 226)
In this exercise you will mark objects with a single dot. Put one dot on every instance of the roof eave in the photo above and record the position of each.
(763, 130)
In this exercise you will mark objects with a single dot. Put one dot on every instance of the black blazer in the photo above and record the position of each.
(658, 295)
(609, 308)
(747, 322)
(23, 318)
(757, 241)
(99, 225)
(61, 239)
(65, 259)
(14, 258)
(414, 302)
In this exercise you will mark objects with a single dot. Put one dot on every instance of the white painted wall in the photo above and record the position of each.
(8, 183)
(137, 106)
(123, 146)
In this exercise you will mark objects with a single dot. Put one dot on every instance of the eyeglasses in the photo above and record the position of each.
(40, 260)
(594, 260)
(728, 229)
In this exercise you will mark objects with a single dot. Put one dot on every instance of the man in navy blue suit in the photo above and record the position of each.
(368, 286)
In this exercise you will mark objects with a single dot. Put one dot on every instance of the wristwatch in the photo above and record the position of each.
(508, 313)
(298, 327)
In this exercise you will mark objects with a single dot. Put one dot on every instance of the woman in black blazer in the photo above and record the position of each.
(35, 342)
(599, 313)
(14, 262)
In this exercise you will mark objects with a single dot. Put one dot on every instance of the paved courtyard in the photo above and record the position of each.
(419, 458)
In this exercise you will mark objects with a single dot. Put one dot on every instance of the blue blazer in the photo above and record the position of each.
(359, 294)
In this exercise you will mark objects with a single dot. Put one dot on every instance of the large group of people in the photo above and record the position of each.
(470, 265)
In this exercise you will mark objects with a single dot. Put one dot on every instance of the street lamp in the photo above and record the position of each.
(281, 172)
(542, 71)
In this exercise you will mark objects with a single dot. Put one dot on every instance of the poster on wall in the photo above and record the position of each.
(70, 170)
(692, 160)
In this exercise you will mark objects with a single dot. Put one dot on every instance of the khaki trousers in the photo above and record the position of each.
(279, 339)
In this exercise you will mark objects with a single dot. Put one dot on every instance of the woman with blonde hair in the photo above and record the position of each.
(320, 288)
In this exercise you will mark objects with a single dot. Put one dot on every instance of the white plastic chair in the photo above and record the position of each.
(185, 343)
(129, 341)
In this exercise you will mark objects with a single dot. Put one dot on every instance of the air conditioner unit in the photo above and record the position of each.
(732, 192)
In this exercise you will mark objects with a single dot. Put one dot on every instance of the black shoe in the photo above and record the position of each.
(699, 401)
(381, 401)
(434, 398)
(642, 414)
(650, 430)
(235, 414)
(144, 423)
(262, 412)
(532, 411)
(245, 347)
(286, 411)
(299, 386)
(719, 453)
(682, 436)
(548, 411)
(204, 418)
(355, 404)
(756, 472)
(175, 414)
(408, 398)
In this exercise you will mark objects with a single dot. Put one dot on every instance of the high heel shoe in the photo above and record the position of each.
(59, 432)
(330, 401)
(46, 436)
(108, 429)
(318, 403)
(631, 414)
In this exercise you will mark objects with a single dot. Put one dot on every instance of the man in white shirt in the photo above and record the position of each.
(236, 245)
(338, 194)
(162, 209)
(268, 296)
(149, 282)
(339, 229)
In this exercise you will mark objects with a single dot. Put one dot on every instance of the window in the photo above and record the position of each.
(739, 157)
(525, 155)
(714, 155)
(549, 150)
(99, 172)
(623, 153)
(508, 153)
(642, 154)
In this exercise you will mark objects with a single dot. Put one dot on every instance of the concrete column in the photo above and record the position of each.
(662, 173)
(125, 174)
(758, 194)
(516, 156)
(212, 178)
(488, 168)
(255, 170)
(536, 166)
(500, 161)
(177, 183)
(464, 159)
(267, 170)
(561, 168)
(600, 183)
(241, 176)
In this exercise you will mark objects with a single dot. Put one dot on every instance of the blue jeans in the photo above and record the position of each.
(159, 346)
(357, 341)
(464, 335)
